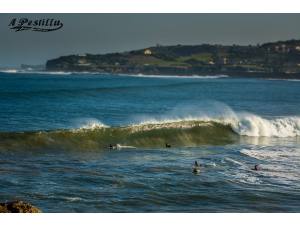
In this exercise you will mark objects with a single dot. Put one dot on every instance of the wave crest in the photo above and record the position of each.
(256, 126)
(91, 124)
(211, 127)
(180, 134)
(243, 124)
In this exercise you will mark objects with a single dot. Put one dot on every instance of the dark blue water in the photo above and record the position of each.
(152, 179)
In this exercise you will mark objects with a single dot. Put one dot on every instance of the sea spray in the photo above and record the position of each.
(242, 123)
(256, 126)
(89, 123)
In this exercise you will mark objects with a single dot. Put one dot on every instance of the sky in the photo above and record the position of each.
(104, 33)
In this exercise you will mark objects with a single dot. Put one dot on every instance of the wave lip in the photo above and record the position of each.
(256, 126)
(91, 124)
(95, 136)
(243, 124)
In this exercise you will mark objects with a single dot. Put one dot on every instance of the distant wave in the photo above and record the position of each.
(99, 73)
(179, 76)
(281, 79)
(51, 72)
(17, 71)
(9, 71)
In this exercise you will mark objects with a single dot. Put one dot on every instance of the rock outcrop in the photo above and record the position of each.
(18, 207)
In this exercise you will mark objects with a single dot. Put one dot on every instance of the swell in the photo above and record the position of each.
(186, 132)
(183, 133)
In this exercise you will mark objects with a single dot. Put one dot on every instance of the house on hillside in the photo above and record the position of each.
(147, 52)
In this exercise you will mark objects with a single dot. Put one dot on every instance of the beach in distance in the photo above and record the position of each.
(94, 142)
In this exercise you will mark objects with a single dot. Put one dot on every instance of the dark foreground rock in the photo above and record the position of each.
(18, 207)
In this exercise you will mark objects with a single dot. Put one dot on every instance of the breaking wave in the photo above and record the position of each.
(188, 132)
(208, 123)
(179, 76)
(256, 126)
(184, 133)
(20, 71)
(9, 71)
(23, 71)
(284, 79)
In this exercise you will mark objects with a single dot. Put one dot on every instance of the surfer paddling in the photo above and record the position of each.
(196, 168)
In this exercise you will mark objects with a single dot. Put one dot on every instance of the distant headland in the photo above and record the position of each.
(275, 59)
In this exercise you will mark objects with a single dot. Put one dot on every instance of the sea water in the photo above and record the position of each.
(56, 130)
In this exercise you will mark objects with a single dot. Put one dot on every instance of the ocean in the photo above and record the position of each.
(72, 142)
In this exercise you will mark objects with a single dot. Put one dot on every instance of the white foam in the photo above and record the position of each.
(246, 178)
(279, 154)
(73, 199)
(278, 162)
(282, 79)
(178, 76)
(244, 124)
(90, 124)
(118, 146)
(256, 126)
(9, 71)
(51, 72)
(35, 72)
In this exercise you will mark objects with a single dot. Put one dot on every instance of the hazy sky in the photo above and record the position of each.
(102, 33)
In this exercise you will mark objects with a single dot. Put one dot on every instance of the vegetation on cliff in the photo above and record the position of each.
(278, 57)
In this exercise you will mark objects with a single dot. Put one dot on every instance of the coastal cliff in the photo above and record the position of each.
(276, 58)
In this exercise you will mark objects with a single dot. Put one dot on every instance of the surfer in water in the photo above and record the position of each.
(112, 146)
(168, 145)
(256, 167)
(196, 168)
